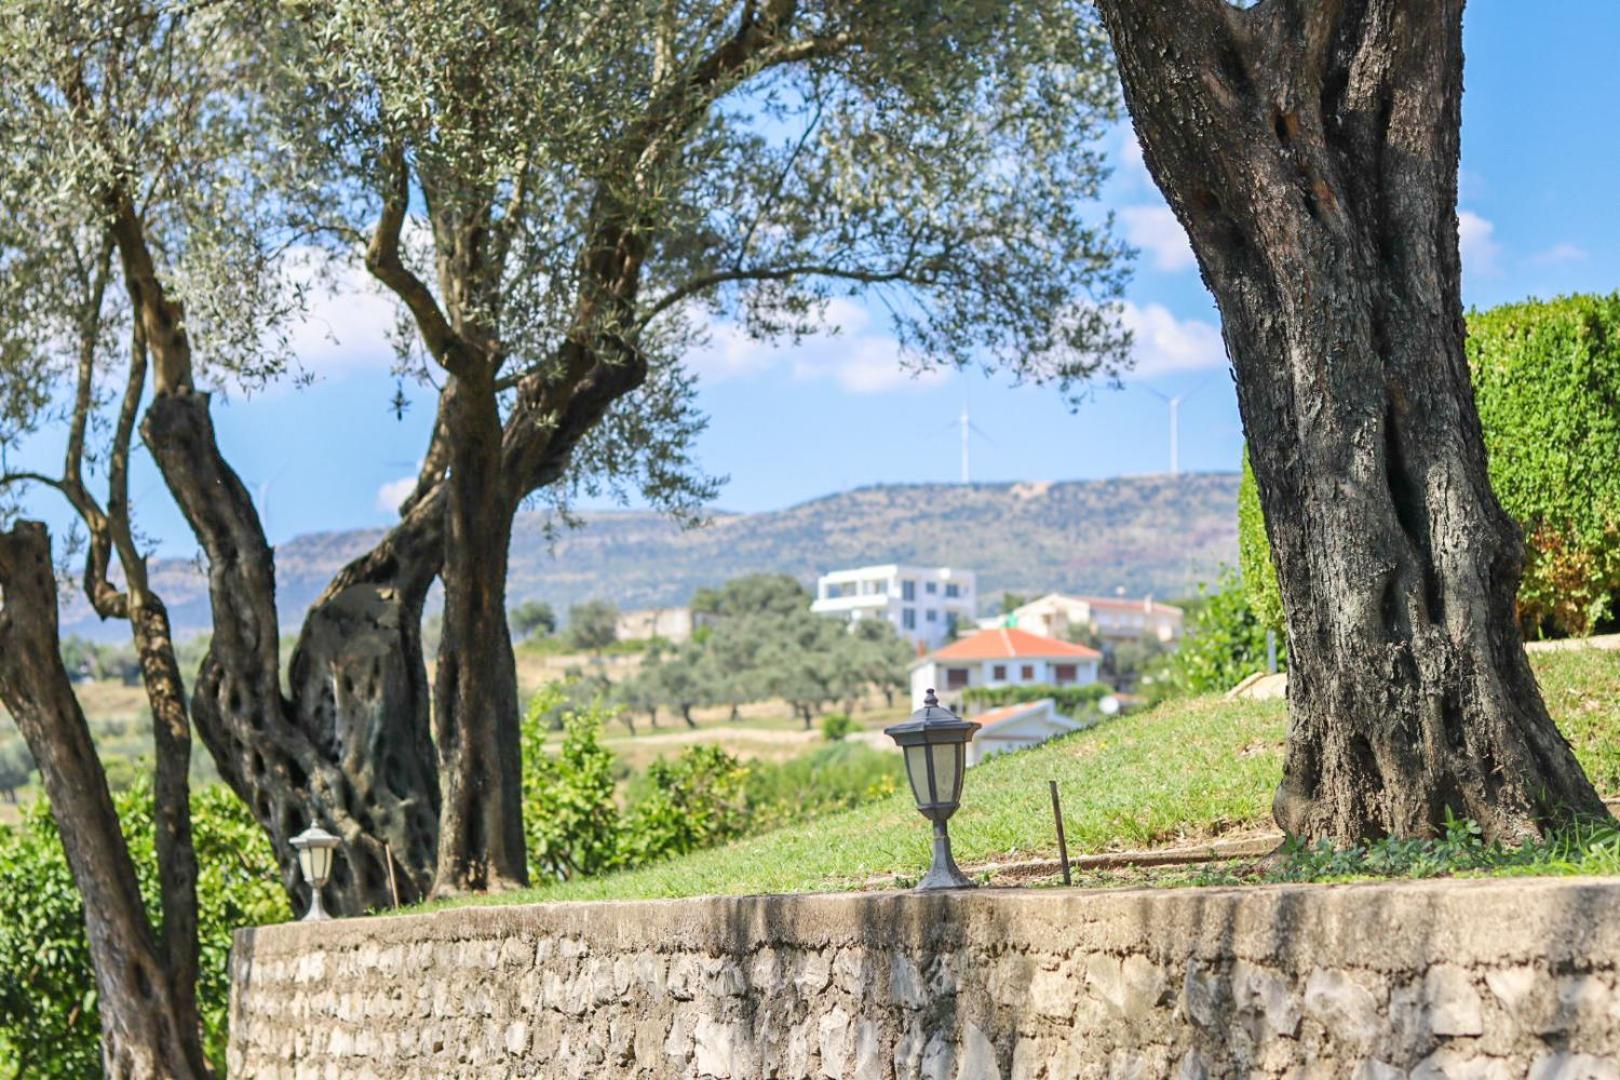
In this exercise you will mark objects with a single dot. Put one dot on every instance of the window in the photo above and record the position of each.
(950, 623)
(1064, 673)
(956, 678)
(908, 591)
(931, 588)
(908, 618)
(952, 590)
(933, 616)
(1027, 672)
(999, 673)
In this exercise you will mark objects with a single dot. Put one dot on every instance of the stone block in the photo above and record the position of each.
(1451, 1004)
(1343, 1006)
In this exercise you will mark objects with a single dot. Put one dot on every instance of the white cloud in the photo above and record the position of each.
(347, 325)
(1475, 238)
(1133, 167)
(1162, 344)
(1155, 230)
(860, 357)
(1560, 253)
(395, 492)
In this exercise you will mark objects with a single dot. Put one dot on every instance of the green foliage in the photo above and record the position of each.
(753, 594)
(1222, 644)
(593, 625)
(570, 819)
(1070, 700)
(834, 726)
(16, 766)
(696, 801)
(48, 1021)
(831, 778)
(533, 617)
(1547, 383)
(1254, 554)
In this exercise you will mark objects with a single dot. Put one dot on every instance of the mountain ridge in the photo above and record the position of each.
(1143, 534)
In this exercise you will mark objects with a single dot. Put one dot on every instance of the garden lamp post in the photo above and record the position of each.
(315, 848)
(934, 742)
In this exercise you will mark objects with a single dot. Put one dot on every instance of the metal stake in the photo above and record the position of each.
(1063, 843)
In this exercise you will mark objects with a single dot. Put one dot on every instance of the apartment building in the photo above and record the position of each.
(1113, 619)
(925, 603)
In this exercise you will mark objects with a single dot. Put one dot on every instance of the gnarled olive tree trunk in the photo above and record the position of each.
(148, 1011)
(1310, 149)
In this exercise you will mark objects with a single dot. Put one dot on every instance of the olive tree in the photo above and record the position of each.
(1310, 150)
(566, 197)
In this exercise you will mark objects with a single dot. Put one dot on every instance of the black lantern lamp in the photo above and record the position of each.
(934, 742)
(316, 848)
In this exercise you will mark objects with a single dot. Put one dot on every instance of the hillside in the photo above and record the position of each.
(1146, 534)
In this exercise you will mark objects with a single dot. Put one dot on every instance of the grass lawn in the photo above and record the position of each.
(1187, 770)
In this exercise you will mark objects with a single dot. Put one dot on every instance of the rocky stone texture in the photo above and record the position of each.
(1443, 979)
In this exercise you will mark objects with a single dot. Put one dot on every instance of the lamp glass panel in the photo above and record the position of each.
(947, 771)
(322, 864)
(917, 773)
(306, 862)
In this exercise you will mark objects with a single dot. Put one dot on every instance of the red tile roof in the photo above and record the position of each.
(1010, 643)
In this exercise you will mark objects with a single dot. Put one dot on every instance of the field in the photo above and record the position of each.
(1186, 771)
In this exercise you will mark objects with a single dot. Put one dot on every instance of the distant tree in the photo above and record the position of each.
(883, 657)
(1011, 601)
(756, 594)
(16, 766)
(533, 617)
(593, 625)
(683, 683)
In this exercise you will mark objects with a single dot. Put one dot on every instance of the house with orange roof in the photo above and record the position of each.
(1114, 620)
(1005, 656)
(1018, 727)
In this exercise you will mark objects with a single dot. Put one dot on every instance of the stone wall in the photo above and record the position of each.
(1502, 978)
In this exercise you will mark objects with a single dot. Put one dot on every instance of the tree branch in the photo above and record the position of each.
(384, 262)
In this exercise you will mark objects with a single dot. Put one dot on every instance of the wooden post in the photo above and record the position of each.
(1063, 843)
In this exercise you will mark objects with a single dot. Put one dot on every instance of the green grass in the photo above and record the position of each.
(1184, 771)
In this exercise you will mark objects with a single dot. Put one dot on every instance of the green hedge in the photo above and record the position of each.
(1069, 699)
(1254, 554)
(1547, 382)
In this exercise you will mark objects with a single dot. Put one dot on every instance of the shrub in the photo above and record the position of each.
(834, 726)
(696, 801)
(1068, 699)
(49, 1025)
(1547, 383)
(1254, 554)
(1224, 642)
(826, 780)
(570, 819)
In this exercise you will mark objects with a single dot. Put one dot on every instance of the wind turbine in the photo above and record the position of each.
(1174, 401)
(968, 429)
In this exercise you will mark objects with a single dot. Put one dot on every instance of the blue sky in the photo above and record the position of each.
(1540, 166)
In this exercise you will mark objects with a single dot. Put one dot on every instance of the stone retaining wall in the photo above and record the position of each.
(1503, 978)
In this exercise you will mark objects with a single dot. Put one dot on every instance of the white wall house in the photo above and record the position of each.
(672, 624)
(1114, 619)
(1017, 727)
(1003, 657)
(925, 603)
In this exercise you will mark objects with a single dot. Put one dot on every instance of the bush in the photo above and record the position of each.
(696, 801)
(834, 726)
(1254, 554)
(570, 818)
(1547, 383)
(1224, 642)
(49, 1025)
(1070, 700)
(824, 781)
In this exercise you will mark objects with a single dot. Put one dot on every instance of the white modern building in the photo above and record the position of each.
(1006, 656)
(1018, 727)
(1114, 619)
(925, 603)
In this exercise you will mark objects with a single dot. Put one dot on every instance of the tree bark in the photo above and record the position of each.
(1310, 149)
(481, 846)
(148, 1019)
